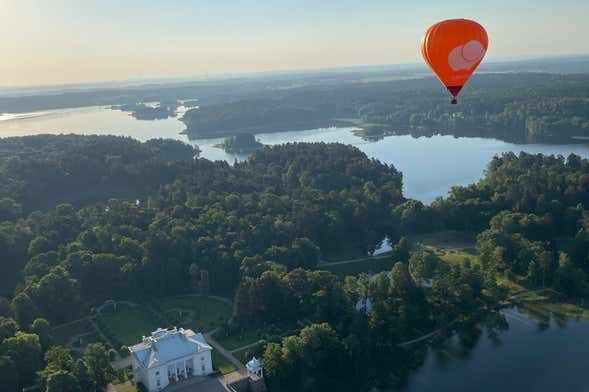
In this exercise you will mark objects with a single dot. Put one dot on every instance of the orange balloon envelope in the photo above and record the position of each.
(453, 49)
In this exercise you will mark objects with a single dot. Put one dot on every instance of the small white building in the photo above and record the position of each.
(254, 368)
(169, 356)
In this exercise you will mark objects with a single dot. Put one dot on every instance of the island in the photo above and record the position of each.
(243, 143)
(142, 111)
(372, 133)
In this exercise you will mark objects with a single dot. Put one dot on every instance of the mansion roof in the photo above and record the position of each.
(168, 345)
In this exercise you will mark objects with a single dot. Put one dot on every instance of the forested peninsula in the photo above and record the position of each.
(515, 107)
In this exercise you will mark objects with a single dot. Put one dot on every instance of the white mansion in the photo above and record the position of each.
(170, 355)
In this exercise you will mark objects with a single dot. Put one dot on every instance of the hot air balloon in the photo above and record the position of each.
(453, 49)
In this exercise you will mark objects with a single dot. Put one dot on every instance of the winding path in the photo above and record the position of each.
(254, 344)
(323, 263)
(226, 353)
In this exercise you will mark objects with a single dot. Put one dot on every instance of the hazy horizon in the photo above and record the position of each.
(70, 43)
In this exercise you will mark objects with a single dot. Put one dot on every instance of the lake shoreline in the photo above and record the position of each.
(431, 165)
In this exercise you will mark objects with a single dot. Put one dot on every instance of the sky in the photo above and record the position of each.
(75, 41)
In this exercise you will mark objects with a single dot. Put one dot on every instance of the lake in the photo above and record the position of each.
(430, 165)
(530, 356)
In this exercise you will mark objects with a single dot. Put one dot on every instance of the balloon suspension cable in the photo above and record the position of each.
(453, 101)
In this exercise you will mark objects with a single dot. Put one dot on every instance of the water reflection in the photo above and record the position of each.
(430, 165)
(534, 347)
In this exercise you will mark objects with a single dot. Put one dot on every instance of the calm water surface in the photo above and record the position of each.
(89, 121)
(526, 357)
(430, 166)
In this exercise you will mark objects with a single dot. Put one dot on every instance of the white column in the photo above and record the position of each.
(185, 369)
(176, 371)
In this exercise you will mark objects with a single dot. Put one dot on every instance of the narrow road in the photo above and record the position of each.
(102, 335)
(323, 263)
(226, 353)
(254, 344)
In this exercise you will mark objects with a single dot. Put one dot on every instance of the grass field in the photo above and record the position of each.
(458, 256)
(222, 364)
(368, 265)
(559, 309)
(199, 313)
(445, 240)
(242, 356)
(129, 324)
(241, 339)
(62, 334)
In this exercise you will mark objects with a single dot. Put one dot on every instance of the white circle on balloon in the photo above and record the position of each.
(466, 56)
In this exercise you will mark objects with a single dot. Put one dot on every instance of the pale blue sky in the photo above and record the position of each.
(67, 41)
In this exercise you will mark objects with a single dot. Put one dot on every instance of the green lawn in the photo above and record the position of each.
(447, 240)
(129, 324)
(512, 287)
(269, 333)
(199, 313)
(61, 334)
(245, 356)
(458, 256)
(222, 364)
(242, 356)
(558, 309)
(368, 265)
(240, 339)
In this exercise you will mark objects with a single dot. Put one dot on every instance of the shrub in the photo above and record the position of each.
(124, 351)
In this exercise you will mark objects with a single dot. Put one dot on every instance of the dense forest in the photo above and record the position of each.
(43, 171)
(257, 231)
(521, 107)
(530, 213)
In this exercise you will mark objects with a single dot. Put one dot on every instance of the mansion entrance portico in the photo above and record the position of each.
(170, 356)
